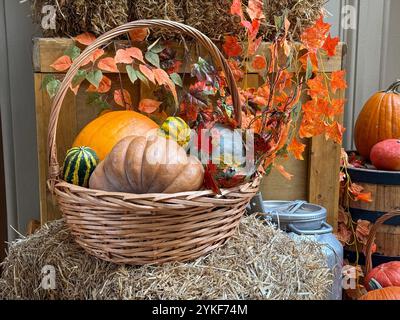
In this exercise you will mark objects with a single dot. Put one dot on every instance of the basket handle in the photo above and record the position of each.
(54, 167)
(368, 252)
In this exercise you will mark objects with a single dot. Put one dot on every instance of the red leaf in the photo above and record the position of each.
(255, 9)
(108, 64)
(338, 80)
(61, 64)
(231, 47)
(330, 45)
(210, 182)
(147, 72)
(139, 34)
(365, 197)
(236, 8)
(123, 96)
(94, 56)
(259, 62)
(86, 38)
(149, 105)
(104, 86)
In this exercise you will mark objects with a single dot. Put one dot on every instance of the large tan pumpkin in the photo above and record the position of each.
(379, 120)
(151, 164)
(103, 133)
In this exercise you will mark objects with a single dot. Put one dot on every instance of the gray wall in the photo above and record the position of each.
(18, 113)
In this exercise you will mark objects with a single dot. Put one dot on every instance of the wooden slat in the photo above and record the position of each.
(3, 207)
(47, 50)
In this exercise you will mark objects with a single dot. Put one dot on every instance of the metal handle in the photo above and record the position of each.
(327, 229)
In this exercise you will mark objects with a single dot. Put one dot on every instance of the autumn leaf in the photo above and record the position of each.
(74, 89)
(94, 77)
(283, 172)
(238, 73)
(338, 80)
(364, 197)
(135, 53)
(163, 78)
(363, 229)
(139, 34)
(231, 47)
(122, 56)
(61, 64)
(254, 45)
(108, 64)
(104, 86)
(147, 72)
(335, 132)
(123, 98)
(85, 38)
(236, 9)
(255, 9)
(149, 105)
(259, 62)
(330, 45)
(297, 148)
(317, 87)
(94, 56)
(314, 37)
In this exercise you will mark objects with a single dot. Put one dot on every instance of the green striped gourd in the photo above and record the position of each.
(79, 164)
(177, 129)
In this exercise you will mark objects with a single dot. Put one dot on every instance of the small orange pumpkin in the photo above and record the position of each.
(103, 133)
(379, 120)
(386, 275)
(388, 293)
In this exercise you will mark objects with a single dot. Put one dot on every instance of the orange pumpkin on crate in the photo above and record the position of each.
(104, 132)
(389, 293)
(379, 120)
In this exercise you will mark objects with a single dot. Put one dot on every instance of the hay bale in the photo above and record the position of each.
(77, 16)
(259, 262)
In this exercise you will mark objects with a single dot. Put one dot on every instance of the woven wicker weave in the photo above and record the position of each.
(147, 228)
(371, 238)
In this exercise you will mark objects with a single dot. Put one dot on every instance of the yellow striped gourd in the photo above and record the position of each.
(176, 128)
(79, 164)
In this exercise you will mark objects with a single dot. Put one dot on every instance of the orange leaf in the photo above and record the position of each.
(314, 37)
(108, 64)
(139, 34)
(147, 72)
(162, 78)
(122, 56)
(338, 80)
(231, 47)
(86, 38)
(104, 86)
(255, 9)
(135, 53)
(149, 105)
(259, 62)
(283, 172)
(330, 45)
(297, 148)
(123, 98)
(254, 45)
(94, 56)
(317, 87)
(61, 64)
(335, 132)
(364, 197)
(236, 70)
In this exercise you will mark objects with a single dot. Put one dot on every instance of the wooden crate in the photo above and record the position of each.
(315, 178)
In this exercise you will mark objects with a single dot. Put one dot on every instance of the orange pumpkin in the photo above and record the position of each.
(388, 293)
(379, 120)
(148, 164)
(103, 133)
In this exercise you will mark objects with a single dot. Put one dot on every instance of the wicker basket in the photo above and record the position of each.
(147, 228)
(371, 238)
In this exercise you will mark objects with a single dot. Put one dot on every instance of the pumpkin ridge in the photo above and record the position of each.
(138, 183)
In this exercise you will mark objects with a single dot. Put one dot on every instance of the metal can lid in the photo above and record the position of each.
(303, 213)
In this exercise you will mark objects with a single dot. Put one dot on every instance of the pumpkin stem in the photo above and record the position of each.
(394, 87)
